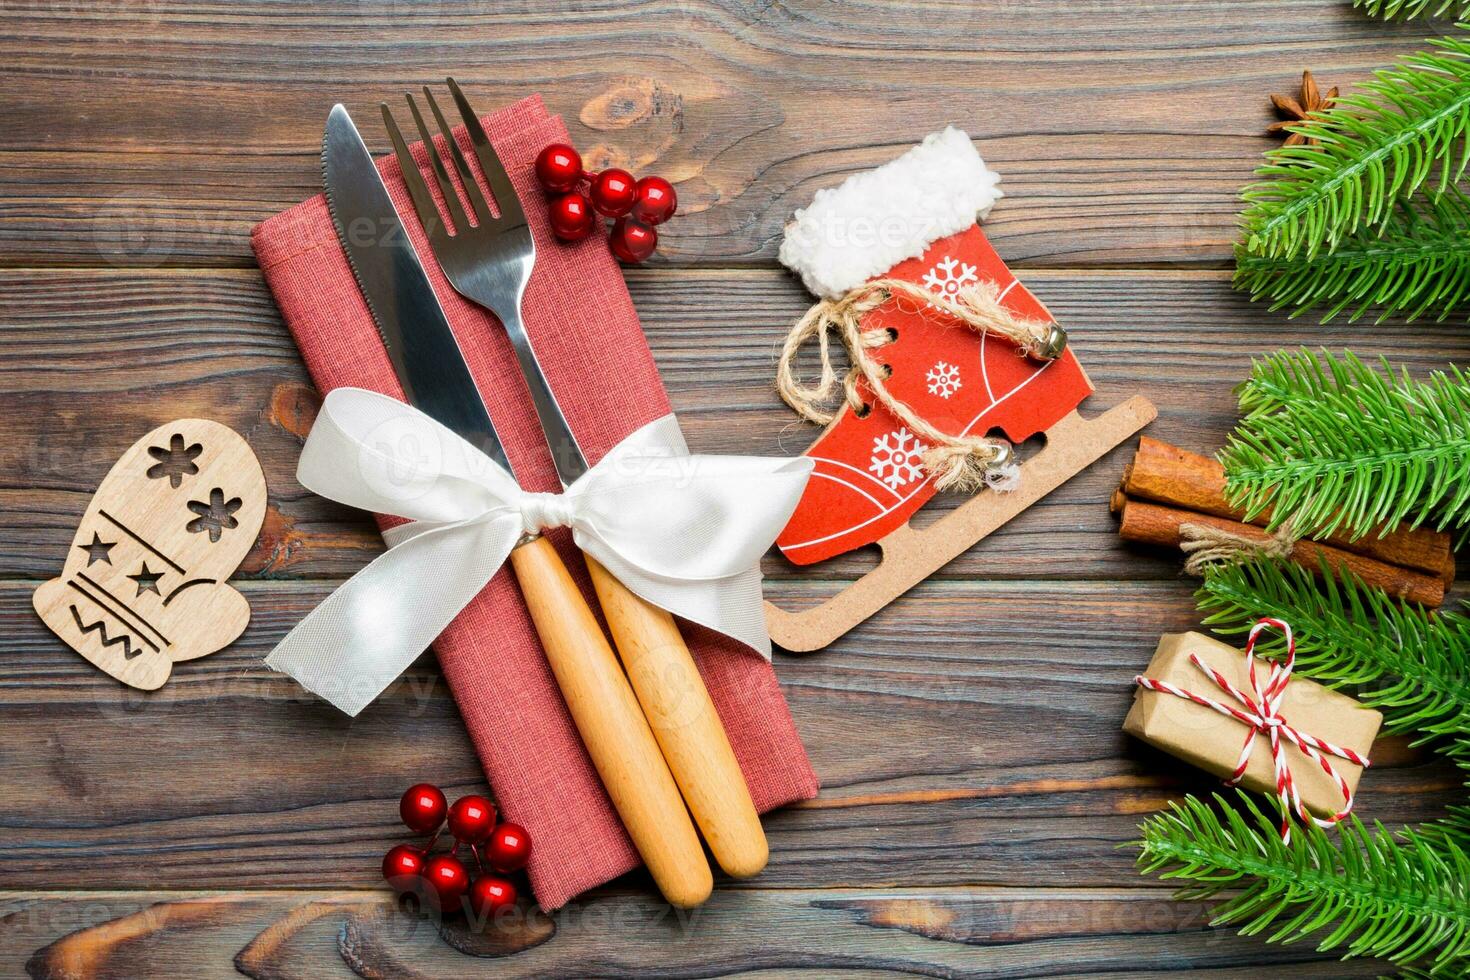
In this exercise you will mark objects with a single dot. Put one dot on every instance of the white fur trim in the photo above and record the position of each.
(876, 219)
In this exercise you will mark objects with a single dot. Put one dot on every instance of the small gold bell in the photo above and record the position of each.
(1050, 346)
(1004, 456)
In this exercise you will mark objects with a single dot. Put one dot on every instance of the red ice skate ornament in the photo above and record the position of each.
(947, 348)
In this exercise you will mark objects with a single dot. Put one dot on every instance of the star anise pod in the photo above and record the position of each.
(1293, 111)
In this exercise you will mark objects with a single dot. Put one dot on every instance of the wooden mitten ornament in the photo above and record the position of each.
(145, 581)
(884, 251)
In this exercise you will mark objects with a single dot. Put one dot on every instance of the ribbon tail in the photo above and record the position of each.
(365, 634)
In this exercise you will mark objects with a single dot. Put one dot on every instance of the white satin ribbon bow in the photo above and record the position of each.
(684, 532)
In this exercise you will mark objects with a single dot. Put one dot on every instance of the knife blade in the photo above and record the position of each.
(430, 366)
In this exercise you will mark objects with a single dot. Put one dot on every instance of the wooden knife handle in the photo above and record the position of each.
(678, 707)
(612, 726)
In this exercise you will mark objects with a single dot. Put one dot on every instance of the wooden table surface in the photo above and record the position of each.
(976, 783)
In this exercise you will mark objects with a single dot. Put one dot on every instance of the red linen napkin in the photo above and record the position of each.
(580, 317)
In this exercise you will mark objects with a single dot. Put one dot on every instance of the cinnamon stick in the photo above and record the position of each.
(1151, 523)
(1169, 475)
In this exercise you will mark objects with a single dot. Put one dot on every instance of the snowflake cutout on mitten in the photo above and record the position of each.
(215, 516)
(175, 462)
(896, 458)
(949, 276)
(944, 379)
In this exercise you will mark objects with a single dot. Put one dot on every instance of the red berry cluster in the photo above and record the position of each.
(442, 880)
(634, 205)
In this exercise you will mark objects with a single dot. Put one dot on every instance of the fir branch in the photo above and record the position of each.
(1407, 9)
(1372, 149)
(1418, 263)
(1411, 665)
(1330, 443)
(1400, 899)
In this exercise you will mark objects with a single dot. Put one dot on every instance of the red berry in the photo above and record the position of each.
(489, 894)
(445, 883)
(471, 819)
(571, 217)
(509, 848)
(656, 202)
(402, 866)
(422, 808)
(632, 241)
(558, 168)
(614, 192)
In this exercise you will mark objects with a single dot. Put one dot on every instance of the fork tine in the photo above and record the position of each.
(423, 201)
(490, 165)
(466, 176)
(446, 186)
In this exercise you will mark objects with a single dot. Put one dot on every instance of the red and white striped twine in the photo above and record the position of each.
(1262, 714)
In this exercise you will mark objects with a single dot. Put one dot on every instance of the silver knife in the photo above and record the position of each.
(426, 356)
(431, 367)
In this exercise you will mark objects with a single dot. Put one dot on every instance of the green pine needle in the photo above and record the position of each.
(1330, 443)
(1376, 895)
(1418, 263)
(1409, 127)
(1412, 665)
(1453, 829)
(1389, 9)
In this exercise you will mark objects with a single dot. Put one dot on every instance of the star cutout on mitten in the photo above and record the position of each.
(98, 550)
(147, 580)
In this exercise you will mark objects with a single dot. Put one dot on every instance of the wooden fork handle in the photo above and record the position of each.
(678, 707)
(612, 726)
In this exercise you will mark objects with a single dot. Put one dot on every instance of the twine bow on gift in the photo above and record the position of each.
(1261, 714)
(958, 462)
(683, 532)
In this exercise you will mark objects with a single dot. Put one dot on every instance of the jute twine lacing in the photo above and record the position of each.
(959, 462)
(1205, 546)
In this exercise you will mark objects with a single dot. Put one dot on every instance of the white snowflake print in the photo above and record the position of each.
(949, 276)
(896, 458)
(944, 379)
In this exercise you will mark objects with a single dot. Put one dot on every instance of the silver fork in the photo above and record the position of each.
(490, 262)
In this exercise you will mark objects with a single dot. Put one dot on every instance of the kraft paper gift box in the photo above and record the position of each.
(1212, 741)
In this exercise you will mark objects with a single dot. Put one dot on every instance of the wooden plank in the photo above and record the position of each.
(158, 133)
(960, 932)
(968, 734)
(95, 358)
